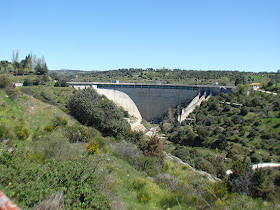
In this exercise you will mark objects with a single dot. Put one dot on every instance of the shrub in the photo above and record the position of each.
(93, 110)
(143, 197)
(136, 158)
(167, 127)
(13, 93)
(59, 121)
(100, 141)
(138, 184)
(202, 164)
(236, 119)
(92, 147)
(36, 135)
(5, 132)
(28, 90)
(49, 128)
(53, 145)
(80, 133)
(4, 81)
(28, 82)
(21, 132)
(29, 183)
(155, 148)
(172, 199)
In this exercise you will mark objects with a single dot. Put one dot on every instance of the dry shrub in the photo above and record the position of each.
(53, 203)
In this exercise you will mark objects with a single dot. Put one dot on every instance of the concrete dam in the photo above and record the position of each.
(150, 101)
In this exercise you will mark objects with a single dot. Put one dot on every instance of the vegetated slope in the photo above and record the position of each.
(38, 162)
(42, 162)
(57, 96)
(228, 128)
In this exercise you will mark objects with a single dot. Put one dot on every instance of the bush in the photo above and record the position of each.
(155, 148)
(13, 93)
(4, 81)
(245, 110)
(143, 197)
(29, 183)
(28, 82)
(5, 132)
(93, 110)
(59, 121)
(136, 158)
(47, 95)
(204, 165)
(92, 147)
(49, 128)
(20, 130)
(172, 199)
(236, 119)
(138, 184)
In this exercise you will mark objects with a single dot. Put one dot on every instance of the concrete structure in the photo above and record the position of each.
(192, 105)
(152, 100)
(260, 165)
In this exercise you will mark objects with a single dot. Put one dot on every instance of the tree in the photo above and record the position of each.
(241, 178)
(41, 69)
(28, 82)
(93, 110)
(262, 184)
(4, 81)
(15, 56)
(224, 81)
(155, 148)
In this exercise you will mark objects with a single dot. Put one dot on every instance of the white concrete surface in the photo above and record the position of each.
(259, 165)
(121, 99)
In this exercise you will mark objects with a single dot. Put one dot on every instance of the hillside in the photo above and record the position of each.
(47, 157)
(230, 129)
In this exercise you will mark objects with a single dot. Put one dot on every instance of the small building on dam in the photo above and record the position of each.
(150, 101)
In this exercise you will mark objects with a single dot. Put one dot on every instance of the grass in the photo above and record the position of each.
(34, 113)
(121, 176)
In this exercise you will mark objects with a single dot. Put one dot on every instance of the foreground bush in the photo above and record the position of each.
(30, 183)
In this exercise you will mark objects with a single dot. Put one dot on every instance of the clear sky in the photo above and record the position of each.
(239, 35)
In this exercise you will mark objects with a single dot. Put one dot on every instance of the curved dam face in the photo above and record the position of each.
(121, 99)
(152, 101)
(118, 97)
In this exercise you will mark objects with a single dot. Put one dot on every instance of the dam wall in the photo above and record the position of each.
(153, 101)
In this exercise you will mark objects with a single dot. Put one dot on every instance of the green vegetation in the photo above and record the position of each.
(92, 159)
(167, 76)
(91, 109)
(65, 174)
(230, 127)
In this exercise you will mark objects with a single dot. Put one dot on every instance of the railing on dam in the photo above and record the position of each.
(144, 85)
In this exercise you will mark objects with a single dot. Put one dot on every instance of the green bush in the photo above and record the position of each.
(59, 121)
(93, 110)
(143, 196)
(21, 132)
(172, 199)
(13, 93)
(49, 128)
(5, 132)
(138, 184)
(29, 183)
(80, 133)
(4, 81)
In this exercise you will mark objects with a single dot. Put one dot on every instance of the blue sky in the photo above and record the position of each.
(239, 35)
